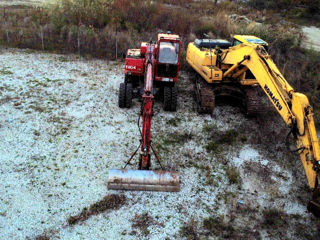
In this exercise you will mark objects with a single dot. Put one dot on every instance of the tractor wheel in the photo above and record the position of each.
(170, 98)
(128, 95)
(122, 95)
(167, 98)
(174, 99)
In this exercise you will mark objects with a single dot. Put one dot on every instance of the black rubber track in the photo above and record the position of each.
(204, 97)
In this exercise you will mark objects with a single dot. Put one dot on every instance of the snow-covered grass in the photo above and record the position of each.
(61, 130)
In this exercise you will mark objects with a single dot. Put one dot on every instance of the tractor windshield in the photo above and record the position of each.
(169, 52)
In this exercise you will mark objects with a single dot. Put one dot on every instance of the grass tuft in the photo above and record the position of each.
(274, 218)
(109, 202)
(233, 175)
(189, 230)
(5, 71)
(143, 221)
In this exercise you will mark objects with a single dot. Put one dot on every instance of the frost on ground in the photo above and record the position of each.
(61, 130)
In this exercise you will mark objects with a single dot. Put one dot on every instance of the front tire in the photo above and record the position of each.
(125, 95)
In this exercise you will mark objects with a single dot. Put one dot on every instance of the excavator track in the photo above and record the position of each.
(253, 103)
(314, 203)
(204, 96)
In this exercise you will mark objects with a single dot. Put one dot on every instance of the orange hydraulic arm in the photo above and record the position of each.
(147, 110)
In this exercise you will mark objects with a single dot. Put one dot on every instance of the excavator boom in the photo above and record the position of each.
(293, 107)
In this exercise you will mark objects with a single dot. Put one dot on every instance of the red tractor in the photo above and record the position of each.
(166, 64)
(149, 71)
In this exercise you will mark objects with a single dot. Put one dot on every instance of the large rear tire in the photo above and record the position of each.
(167, 98)
(170, 99)
(122, 95)
(174, 99)
(128, 95)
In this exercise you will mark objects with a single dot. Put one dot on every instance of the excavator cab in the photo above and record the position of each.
(238, 39)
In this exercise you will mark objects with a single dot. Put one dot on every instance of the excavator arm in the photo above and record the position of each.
(293, 107)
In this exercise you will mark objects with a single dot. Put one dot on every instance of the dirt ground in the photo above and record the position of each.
(61, 131)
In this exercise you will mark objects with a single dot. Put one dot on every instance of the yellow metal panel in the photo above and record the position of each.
(201, 62)
(307, 136)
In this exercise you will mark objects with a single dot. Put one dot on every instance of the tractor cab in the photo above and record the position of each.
(168, 57)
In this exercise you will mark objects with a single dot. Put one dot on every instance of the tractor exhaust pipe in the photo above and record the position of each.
(143, 180)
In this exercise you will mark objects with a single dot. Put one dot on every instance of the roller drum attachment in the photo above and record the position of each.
(143, 180)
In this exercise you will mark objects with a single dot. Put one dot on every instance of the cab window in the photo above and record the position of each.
(169, 52)
(236, 42)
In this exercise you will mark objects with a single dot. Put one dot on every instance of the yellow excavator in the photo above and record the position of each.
(238, 69)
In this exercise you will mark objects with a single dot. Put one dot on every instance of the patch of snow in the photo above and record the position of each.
(313, 37)
(248, 154)
(294, 208)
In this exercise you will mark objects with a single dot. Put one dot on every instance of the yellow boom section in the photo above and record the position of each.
(293, 107)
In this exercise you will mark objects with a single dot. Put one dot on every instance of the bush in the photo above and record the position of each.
(302, 8)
